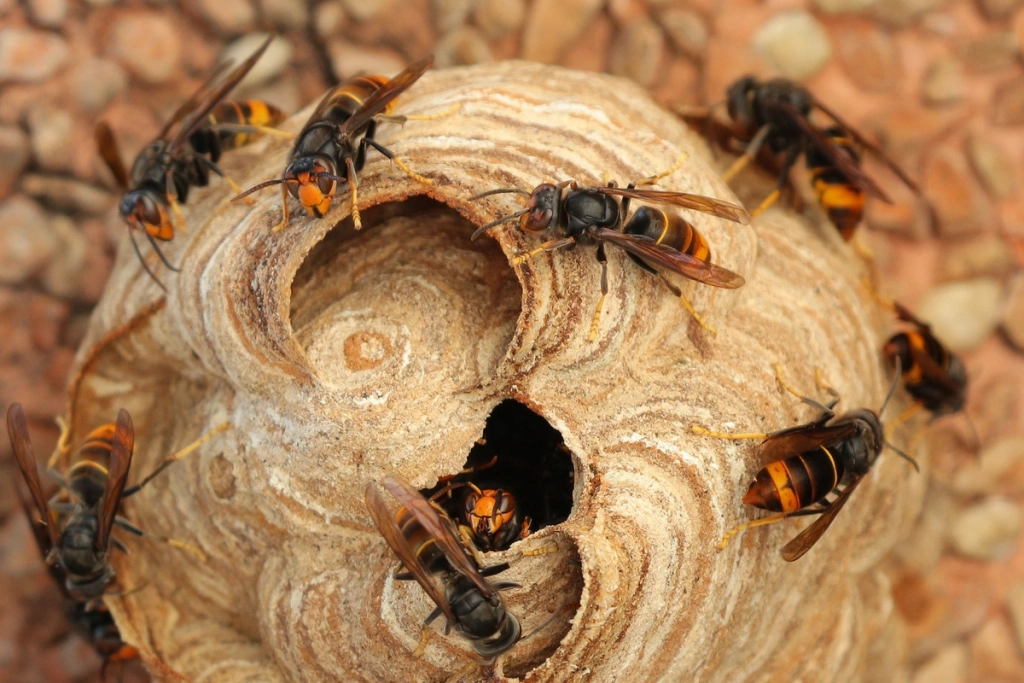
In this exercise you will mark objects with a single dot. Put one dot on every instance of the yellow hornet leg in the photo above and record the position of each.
(62, 444)
(766, 204)
(652, 180)
(176, 209)
(752, 149)
(284, 211)
(749, 525)
(184, 546)
(915, 442)
(547, 246)
(819, 379)
(725, 435)
(736, 167)
(401, 119)
(784, 384)
(545, 549)
(421, 648)
(411, 173)
(163, 539)
(904, 416)
(178, 456)
(592, 335)
(861, 248)
(678, 293)
(696, 316)
(885, 303)
(357, 220)
(249, 131)
(236, 189)
(275, 132)
(467, 542)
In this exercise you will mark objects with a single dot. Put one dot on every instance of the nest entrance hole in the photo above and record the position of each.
(521, 453)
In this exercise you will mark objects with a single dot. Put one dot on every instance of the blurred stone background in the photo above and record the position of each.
(939, 84)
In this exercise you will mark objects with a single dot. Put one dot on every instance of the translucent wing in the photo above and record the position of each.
(385, 522)
(931, 370)
(929, 367)
(428, 516)
(672, 259)
(871, 147)
(795, 440)
(837, 156)
(715, 207)
(17, 430)
(195, 118)
(190, 104)
(384, 95)
(121, 449)
(796, 548)
(107, 144)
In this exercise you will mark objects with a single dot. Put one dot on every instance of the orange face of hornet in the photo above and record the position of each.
(493, 518)
(141, 211)
(312, 181)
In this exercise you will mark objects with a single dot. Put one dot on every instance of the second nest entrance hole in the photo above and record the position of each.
(520, 465)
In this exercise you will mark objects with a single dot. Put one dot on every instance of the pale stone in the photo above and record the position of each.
(328, 19)
(450, 14)
(984, 255)
(464, 45)
(61, 277)
(963, 314)
(348, 59)
(843, 6)
(949, 665)
(50, 131)
(1013, 312)
(48, 13)
(498, 18)
(637, 52)
(31, 56)
(687, 30)
(269, 66)
(364, 10)
(287, 13)
(553, 25)
(229, 17)
(999, 468)
(67, 194)
(987, 530)
(944, 82)
(795, 43)
(995, 168)
(1015, 608)
(148, 44)
(15, 152)
(27, 240)
(97, 82)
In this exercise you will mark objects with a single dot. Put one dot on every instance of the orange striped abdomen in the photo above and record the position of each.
(842, 201)
(794, 483)
(89, 465)
(244, 113)
(350, 96)
(669, 230)
(421, 541)
(933, 392)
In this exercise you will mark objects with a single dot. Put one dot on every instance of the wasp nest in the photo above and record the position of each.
(340, 357)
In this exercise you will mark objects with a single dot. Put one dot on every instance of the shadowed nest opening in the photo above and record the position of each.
(521, 453)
